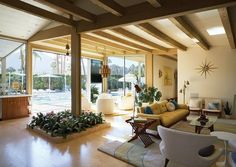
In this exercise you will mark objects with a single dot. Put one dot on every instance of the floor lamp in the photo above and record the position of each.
(137, 90)
(183, 90)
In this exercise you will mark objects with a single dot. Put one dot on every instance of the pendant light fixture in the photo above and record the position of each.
(67, 47)
(104, 70)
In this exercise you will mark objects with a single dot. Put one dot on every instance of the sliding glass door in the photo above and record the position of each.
(125, 72)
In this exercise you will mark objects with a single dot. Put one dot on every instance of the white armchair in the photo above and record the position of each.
(105, 103)
(232, 145)
(85, 104)
(126, 102)
(232, 148)
(195, 104)
(183, 148)
(213, 105)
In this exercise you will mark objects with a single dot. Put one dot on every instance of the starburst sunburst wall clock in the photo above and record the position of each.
(206, 68)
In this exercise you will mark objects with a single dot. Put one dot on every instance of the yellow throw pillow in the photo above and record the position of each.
(162, 106)
(155, 109)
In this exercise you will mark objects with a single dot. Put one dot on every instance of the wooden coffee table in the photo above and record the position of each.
(209, 124)
(140, 131)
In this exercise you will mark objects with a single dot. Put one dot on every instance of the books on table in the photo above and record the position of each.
(138, 119)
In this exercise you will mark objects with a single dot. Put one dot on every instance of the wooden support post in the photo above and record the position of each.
(149, 69)
(4, 71)
(75, 72)
(29, 71)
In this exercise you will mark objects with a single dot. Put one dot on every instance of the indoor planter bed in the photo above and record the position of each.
(63, 126)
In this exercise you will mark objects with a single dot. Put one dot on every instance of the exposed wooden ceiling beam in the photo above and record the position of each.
(25, 7)
(135, 37)
(56, 43)
(64, 6)
(42, 47)
(160, 35)
(63, 42)
(225, 18)
(48, 48)
(190, 31)
(154, 3)
(12, 38)
(120, 40)
(174, 58)
(109, 43)
(144, 11)
(110, 6)
(99, 48)
(106, 47)
(51, 33)
(170, 52)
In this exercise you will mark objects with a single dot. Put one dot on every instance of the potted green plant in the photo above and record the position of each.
(148, 95)
(227, 110)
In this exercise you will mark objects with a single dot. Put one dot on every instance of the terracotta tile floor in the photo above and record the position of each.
(21, 148)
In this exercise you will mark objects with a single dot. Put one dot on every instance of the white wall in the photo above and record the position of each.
(158, 63)
(220, 84)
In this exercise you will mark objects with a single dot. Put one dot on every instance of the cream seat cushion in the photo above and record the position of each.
(168, 118)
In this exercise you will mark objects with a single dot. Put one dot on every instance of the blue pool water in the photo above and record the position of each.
(51, 101)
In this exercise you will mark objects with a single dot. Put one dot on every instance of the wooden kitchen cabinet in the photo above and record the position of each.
(14, 107)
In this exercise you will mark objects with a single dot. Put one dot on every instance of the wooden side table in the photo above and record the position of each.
(140, 131)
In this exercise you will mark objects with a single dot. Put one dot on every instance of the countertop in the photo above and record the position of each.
(15, 95)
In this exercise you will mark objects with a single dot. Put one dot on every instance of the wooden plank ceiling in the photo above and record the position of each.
(105, 33)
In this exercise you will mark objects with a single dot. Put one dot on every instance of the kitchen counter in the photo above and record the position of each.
(14, 106)
(15, 95)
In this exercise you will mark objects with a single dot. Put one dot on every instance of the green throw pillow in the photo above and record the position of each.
(175, 103)
(148, 110)
(207, 151)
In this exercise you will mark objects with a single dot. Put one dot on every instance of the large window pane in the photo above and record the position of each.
(51, 82)
(125, 72)
(12, 67)
(116, 79)
(134, 72)
(96, 80)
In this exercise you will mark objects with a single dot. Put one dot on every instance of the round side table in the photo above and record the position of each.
(226, 137)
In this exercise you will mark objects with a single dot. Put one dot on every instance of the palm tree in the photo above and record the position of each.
(35, 57)
(22, 58)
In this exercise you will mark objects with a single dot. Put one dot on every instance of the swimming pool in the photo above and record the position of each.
(51, 101)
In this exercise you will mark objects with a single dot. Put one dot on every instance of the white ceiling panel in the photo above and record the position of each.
(106, 39)
(40, 5)
(19, 24)
(206, 20)
(127, 39)
(168, 28)
(137, 31)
